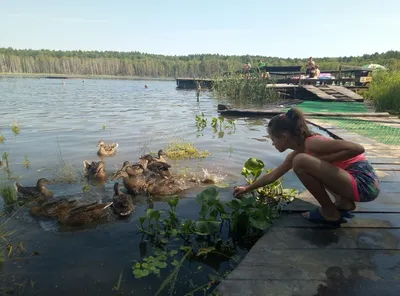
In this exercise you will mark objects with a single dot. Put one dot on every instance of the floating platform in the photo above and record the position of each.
(228, 111)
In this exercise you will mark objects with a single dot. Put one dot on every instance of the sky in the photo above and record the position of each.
(280, 28)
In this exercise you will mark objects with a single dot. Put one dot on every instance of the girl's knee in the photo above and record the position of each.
(300, 161)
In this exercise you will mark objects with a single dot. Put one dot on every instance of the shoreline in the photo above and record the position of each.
(84, 76)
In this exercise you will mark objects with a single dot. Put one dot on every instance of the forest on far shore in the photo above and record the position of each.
(138, 64)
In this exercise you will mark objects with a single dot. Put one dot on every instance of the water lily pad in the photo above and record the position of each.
(207, 227)
(139, 273)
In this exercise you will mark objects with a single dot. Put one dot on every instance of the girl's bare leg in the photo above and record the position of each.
(342, 203)
(316, 175)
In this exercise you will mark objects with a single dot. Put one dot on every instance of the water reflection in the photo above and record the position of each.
(61, 124)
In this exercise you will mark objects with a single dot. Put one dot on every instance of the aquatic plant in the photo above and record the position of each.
(184, 150)
(236, 89)
(252, 170)
(2, 139)
(86, 188)
(203, 237)
(5, 158)
(221, 125)
(26, 162)
(15, 128)
(104, 127)
(201, 121)
(8, 193)
(65, 172)
(384, 91)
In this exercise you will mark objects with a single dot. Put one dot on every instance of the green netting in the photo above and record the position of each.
(340, 107)
(382, 133)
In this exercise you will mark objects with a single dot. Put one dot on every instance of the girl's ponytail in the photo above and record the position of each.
(292, 122)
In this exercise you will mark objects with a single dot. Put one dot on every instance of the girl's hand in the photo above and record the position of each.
(239, 190)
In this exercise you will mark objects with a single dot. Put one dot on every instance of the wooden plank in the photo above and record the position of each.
(280, 238)
(319, 93)
(354, 285)
(346, 92)
(360, 220)
(387, 167)
(385, 203)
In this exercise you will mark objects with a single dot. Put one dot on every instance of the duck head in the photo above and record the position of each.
(119, 174)
(42, 182)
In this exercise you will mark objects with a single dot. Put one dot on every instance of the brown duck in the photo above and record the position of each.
(106, 150)
(150, 158)
(157, 167)
(133, 169)
(122, 203)
(38, 192)
(95, 169)
(53, 209)
(163, 187)
(135, 185)
(85, 214)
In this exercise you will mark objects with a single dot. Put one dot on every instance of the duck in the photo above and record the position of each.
(122, 203)
(53, 209)
(39, 192)
(85, 214)
(133, 169)
(106, 150)
(151, 158)
(135, 185)
(95, 169)
(157, 167)
(163, 187)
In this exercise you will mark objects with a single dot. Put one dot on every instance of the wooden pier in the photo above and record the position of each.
(295, 91)
(362, 257)
(228, 111)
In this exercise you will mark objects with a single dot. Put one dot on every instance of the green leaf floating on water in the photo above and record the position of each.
(139, 273)
(208, 195)
(207, 227)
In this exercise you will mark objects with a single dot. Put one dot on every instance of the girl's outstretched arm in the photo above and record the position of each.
(335, 150)
(270, 177)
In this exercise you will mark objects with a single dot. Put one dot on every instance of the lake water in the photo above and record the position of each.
(72, 118)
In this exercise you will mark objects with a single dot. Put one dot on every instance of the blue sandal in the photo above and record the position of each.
(346, 214)
(316, 217)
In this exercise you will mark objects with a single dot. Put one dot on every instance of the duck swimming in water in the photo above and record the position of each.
(122, 203)
(95, 169)
(38, 192)
(107, 150)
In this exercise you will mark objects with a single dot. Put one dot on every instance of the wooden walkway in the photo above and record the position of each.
(297, 257)
(334, 93)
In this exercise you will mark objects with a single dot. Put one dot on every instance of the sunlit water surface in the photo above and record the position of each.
(65, 121)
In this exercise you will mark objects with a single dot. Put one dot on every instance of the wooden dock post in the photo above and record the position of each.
(198, 90)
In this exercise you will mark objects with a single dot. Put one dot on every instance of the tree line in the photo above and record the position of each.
(138, 64)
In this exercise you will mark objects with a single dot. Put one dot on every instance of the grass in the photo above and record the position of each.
(236, 89)
(15, 128)
(65, 172)
(184, 150)
(26, 162)
(384, 91)
(5, 158)
(8, 193)
(2, 139)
